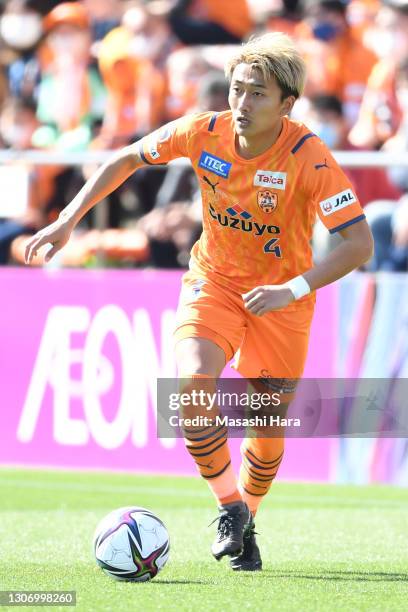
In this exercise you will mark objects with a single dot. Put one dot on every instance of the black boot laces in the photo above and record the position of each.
(225, 525)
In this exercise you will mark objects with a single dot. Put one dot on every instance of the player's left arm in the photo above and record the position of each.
(355, 249)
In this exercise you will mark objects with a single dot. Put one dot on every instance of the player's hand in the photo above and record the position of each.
(265, 298)
(57, 234)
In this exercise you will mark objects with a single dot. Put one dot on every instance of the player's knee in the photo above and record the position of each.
(199, 356)
(197, 394)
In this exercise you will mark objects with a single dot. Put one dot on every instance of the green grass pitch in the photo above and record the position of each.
(324, 547)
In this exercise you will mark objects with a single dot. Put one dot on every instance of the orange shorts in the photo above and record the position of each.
(272, 346)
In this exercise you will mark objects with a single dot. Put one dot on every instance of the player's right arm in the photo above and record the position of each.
(105, 180)
(163, 145)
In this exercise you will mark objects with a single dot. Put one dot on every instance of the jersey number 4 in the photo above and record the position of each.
(272, 247)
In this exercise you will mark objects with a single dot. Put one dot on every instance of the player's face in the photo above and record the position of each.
(257, 106)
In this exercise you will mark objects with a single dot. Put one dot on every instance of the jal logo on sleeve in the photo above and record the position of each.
(214, 164)
(337, 202)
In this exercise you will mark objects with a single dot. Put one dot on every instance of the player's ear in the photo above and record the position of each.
(287, 105)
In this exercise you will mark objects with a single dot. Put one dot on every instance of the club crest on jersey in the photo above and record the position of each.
(274, 180)
(267, 200)
(337, 202)
(214, 164)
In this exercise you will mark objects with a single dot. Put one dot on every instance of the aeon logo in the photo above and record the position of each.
(137, 365)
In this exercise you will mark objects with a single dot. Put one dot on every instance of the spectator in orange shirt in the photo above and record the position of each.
(338, 63)
(207, 22)
(284, 16)
(185, 69)
(380, 113)
(361, 16)
(131, 63)
(71, 96)
(131, 59)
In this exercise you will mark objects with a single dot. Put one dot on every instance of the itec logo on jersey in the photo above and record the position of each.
(266, 178)
(214, 164)
(337, 202)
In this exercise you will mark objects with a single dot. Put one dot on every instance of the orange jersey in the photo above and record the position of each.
(136, 88)
(380, 113)
(340, 68)
(258, 214)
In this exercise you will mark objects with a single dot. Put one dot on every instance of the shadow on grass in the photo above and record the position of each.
(340, 575)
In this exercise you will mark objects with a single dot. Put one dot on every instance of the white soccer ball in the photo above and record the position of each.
(131, 543)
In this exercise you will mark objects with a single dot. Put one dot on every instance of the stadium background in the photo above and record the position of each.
(92, 76)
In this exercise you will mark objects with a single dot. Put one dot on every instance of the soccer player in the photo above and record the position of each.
(250, 288)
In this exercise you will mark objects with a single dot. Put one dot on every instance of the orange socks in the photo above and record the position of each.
(207, 443)
(261, 458)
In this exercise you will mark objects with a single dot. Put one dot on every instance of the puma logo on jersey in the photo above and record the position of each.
(264, 178)
(337, 202)
(212, 185)
(318, 166)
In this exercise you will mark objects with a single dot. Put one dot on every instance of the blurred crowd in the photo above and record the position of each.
(98, 74)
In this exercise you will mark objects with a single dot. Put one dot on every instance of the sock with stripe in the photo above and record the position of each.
(261, 458)
(208, 444)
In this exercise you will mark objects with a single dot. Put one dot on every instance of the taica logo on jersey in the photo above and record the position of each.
(266, 178)
(337, 202)
(214, 164)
